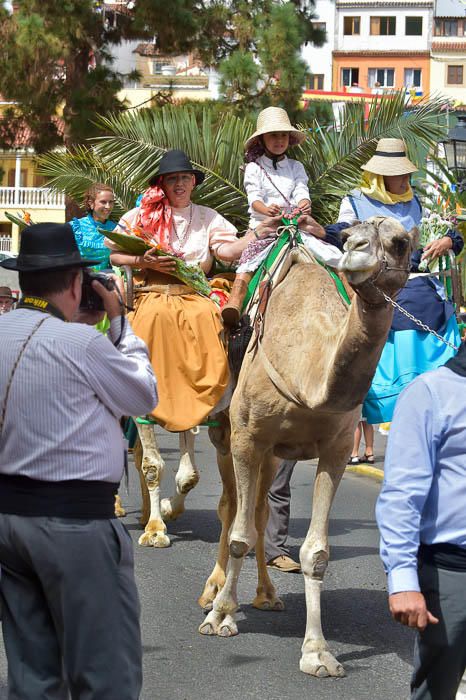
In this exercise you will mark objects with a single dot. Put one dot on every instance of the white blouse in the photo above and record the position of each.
(289, 181)
(198, 233)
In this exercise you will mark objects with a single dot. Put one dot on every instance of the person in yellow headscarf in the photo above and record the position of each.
(386, 191)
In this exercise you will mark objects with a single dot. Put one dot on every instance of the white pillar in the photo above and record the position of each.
(17, 178)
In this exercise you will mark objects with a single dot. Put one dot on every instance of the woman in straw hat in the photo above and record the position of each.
(275, 185)
(386, 191)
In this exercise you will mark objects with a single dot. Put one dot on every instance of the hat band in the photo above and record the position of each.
(386, 154)
(72, 258)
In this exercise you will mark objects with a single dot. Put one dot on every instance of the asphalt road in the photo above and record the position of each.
(262, 661)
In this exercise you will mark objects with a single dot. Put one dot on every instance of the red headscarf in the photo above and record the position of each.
(155, 217)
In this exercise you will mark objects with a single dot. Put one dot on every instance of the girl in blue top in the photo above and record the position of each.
(99, 201)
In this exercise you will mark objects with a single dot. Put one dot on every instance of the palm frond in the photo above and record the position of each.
(128, 153)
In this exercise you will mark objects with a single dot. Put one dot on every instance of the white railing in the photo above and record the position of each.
(5, 244)
(31, 198)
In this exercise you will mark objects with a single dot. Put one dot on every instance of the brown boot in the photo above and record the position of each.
(231, 312)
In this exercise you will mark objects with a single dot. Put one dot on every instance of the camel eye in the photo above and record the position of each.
(399, 245)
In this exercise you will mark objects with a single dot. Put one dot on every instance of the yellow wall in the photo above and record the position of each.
(438, 76)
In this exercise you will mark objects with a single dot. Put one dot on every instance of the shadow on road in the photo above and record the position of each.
(351, 613)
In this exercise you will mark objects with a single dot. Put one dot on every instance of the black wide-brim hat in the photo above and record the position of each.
(176, 161)
(47, 247)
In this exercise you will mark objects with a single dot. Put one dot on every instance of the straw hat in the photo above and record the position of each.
(274, 119)
(390, 159)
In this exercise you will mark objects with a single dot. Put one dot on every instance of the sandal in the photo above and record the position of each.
(354, 460)
(369, 459)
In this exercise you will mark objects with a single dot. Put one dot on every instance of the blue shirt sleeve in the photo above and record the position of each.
(409, 469)
(333, 233)
(457, 240)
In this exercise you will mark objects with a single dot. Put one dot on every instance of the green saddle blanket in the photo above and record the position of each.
(283, 240)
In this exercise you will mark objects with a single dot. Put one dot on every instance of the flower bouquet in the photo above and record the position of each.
(137, 242)
(432, 227)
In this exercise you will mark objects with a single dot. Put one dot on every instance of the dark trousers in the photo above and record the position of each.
(440, 651)
(70, 609)
(276, 532)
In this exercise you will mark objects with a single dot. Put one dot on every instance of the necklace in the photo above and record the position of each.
(184, 236)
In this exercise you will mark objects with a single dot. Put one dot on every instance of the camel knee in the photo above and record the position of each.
(313, 563)
(238, 549)
(152, 474)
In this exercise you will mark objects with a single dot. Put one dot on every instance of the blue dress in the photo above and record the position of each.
(91, 242)
(408, 351)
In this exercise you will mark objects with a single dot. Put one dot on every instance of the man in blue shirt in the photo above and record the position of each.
(421, 517)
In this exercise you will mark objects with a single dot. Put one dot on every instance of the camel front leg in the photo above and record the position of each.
(246, 461)
(186, 477)
(316, 659)
(226, 512)
(266, 595)
(155, 533)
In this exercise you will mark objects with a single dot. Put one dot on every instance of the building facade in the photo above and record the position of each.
(382, 45)
(448, 51)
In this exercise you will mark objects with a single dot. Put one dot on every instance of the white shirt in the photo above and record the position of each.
(289, 181)
(200, 231)
(69, 391)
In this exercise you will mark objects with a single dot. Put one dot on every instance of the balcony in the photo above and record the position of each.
(31, 198)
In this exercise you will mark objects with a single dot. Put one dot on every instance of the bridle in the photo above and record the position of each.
(384, 267)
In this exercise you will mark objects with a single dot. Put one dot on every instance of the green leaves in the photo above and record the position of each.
(127, 155)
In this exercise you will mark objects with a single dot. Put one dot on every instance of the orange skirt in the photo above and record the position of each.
(184, 335)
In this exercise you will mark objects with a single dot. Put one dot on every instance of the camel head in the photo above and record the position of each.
(377, 256)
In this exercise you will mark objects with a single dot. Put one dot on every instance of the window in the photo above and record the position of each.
(413, 78)
(157, 67)
(351, 25)
(349, 76)
(321, 26)
(454, 75)
(449, 27)
(383, 26)
(316, 81)
(413, 26)
(385, 77)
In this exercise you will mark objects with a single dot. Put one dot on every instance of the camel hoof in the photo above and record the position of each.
(207, 629)
(268, 603)
(321, 664)
(154, 539)
(167, 510)
(226, 631)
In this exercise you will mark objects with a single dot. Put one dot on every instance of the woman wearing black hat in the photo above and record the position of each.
(182, 329)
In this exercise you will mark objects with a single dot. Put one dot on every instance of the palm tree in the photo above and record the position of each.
(128, 152)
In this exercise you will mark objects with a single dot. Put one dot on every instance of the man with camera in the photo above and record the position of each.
(70, 603)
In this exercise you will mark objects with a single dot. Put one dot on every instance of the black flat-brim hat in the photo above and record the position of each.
(47, 247)
(177, 161)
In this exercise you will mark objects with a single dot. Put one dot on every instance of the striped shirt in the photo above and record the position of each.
(69, 391)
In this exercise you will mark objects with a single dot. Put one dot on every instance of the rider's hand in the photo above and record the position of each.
(304, 207)
(110, 298)
(274, 210)
(309, 225)
(160, 263)
(437, 248)
(409, 608)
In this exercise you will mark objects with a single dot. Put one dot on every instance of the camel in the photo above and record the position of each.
(150, 465)
(298, 396)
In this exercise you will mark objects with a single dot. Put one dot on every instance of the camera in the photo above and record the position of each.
(90, 300)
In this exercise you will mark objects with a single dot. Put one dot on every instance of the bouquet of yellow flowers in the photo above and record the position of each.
(136, 243)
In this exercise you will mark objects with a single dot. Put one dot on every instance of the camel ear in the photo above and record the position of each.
(414, 237)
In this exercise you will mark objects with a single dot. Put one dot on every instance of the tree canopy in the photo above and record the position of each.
(57, 68)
